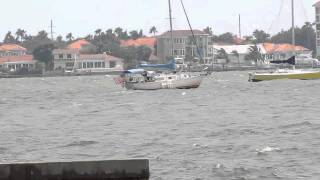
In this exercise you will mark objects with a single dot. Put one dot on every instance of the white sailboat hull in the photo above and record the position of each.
(187, 83)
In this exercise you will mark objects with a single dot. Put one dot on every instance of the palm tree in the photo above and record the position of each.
(20, 34)
(9, 38)
(118, 31)
(222, 54)
(153, 31)
(98, 32)
(42, 34)
(254, 54)
(237, 55)
(69, 37)
(208, 30)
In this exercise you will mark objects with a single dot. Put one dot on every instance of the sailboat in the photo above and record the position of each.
(300, 74)
(145, 79)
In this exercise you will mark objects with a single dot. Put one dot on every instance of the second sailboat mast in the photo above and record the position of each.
(171, 28)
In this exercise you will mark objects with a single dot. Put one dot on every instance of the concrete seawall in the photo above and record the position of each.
(90, 170)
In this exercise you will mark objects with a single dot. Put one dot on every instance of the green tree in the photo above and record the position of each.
(305, 36)
(153, 30)
(43, 35)
(226, 38)
(43, 54)
(254, 54)
(59, 39)
(260, 36)
(9, 38)
(143, 53)
(222, 54)
(134, 34)
(98, 32)
(208, 30)
(248, 39)
(20, 34)
(118, 31)
(237, 55)
(69, 37)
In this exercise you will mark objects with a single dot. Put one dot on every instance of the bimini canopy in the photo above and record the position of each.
(134, 71)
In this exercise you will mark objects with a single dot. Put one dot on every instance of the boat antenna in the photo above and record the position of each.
(171, 27)
(293, 31)
(193, 36)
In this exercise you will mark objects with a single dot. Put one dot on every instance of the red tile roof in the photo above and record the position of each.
(78, 44)
(271, 48)
(25, 58)
(12, 47)
(146, 41)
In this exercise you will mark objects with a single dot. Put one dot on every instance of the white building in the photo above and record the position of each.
(269, 51)
(72, 59)
(14, 57)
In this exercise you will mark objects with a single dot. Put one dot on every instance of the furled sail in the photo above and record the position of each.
(291, 61)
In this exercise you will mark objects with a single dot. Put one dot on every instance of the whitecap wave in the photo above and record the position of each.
(268, 149)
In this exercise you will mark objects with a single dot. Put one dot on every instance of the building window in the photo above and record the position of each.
(60, 56)
(103, 65)
(112, 64)
(69, 56)
(318, 10)
(95, 64)
(84, 65)
(182, 52)
(178, 40)
(175, 52)
(69, 64)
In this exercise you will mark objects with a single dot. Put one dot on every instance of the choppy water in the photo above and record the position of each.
(227, 129)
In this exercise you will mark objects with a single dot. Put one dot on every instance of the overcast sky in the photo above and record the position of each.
(82, 17)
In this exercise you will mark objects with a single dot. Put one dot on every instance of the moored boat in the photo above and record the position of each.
(139, 79)
(300, 74)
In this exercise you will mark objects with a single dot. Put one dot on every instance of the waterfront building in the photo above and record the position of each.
(236, 53)
(184, 46)
(14, 57)
(269, 51)
(317, 10)
(283, 51)
(72, 58)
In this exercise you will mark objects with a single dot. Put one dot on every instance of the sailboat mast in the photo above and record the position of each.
(171, 28)
(293, 31)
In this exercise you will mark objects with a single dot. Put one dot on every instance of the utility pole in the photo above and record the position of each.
(293, 25)
(240, 35)
(51, 29)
